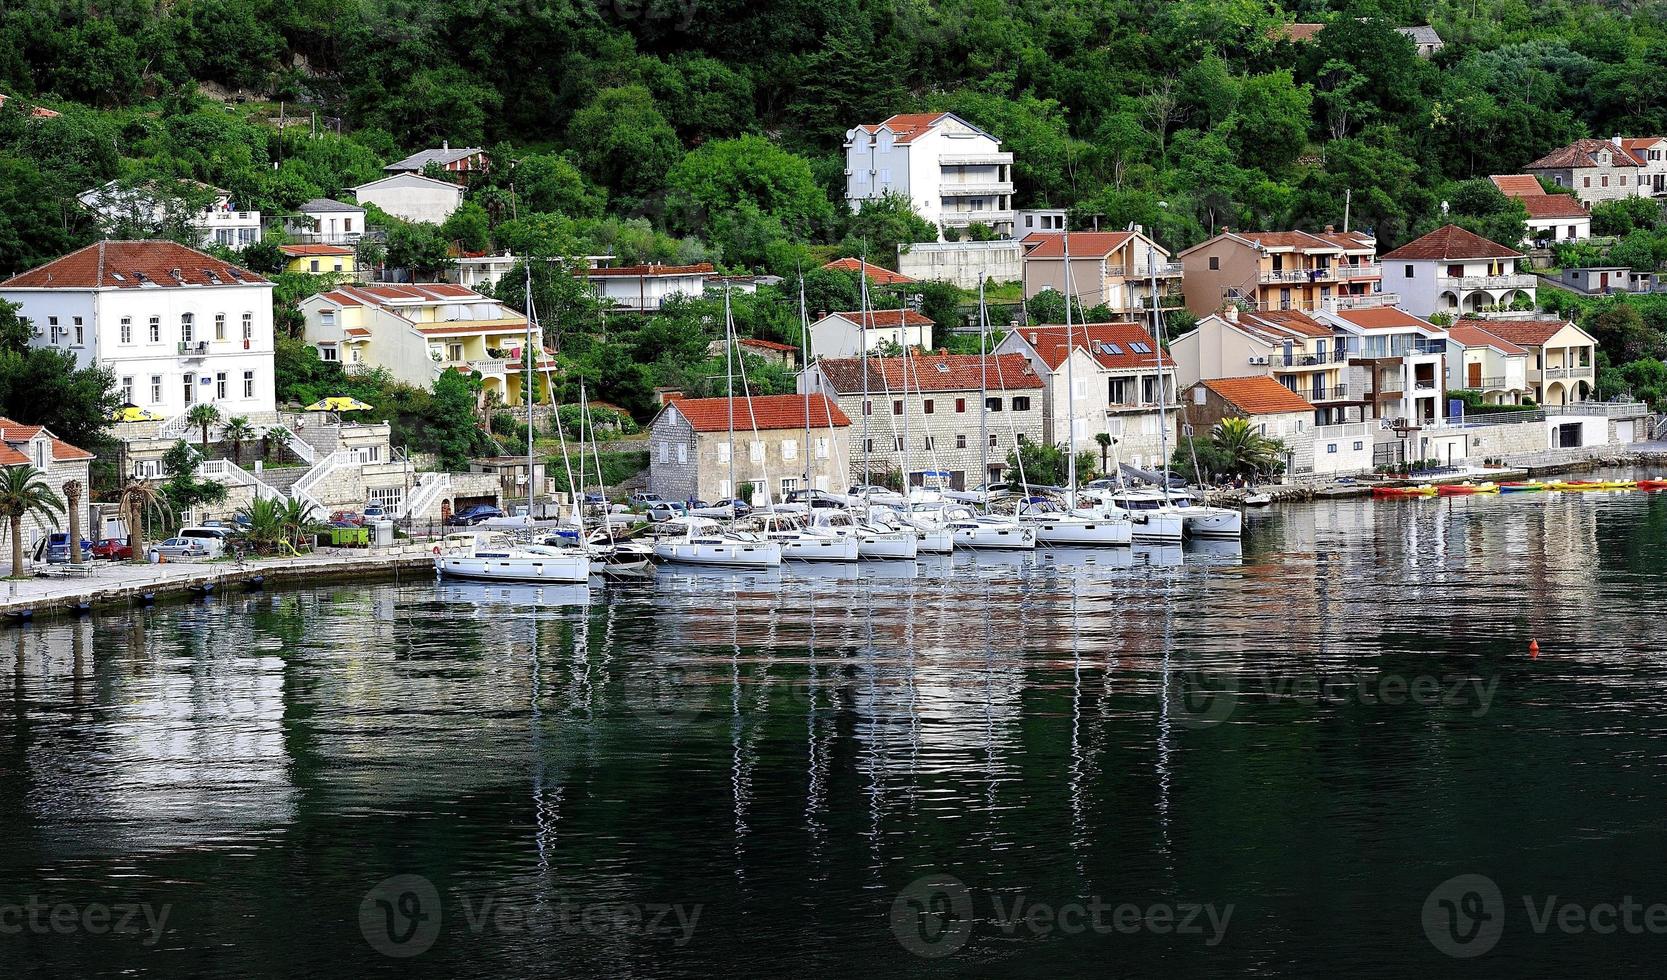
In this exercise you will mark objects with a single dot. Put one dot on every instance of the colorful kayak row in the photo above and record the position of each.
(1526, 486)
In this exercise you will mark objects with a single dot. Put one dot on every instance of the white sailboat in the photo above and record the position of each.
(987, 530)
(529, 562)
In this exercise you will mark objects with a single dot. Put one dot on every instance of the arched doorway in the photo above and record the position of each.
(1449, 301)
(1556, 393)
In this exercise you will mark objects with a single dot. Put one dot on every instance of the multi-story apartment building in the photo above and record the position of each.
(1113, 268)
(416, 332)
(1306, 356)
(1561, 358)
(695, 454)
(1454, 271)
(1480, 361)
(1115, 382)
(920, 414)
(954, 173)
(147, 207)
(1596, 170)
(1283, 270)
(175, 326)
(1398, 361)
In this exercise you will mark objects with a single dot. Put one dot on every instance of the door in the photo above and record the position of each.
(1473, 375)
(957, 479)
(1603, 281)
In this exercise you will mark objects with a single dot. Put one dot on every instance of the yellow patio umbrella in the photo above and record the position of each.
(133, 413)
(339, 403)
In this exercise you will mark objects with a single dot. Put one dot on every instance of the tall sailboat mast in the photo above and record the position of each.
(983, 395)
(903, 455)
(862, 352)
(729, 391)
(1163, 400)
(804, 330)
(1070, 388)
(527, 393)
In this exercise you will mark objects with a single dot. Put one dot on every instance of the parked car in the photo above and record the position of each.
(667, 510)
(116, 549)
(346, 518)
(57, 548)
(215, 540)
(642, 498)
(474, 514)
(375, 512)
(180, 548)
(815, 499)
(727, 507)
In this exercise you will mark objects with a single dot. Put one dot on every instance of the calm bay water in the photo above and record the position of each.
(1192, 762)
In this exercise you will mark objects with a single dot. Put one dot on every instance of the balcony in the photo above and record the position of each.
(976, 160)
(1163, 270)
(970, 189)
(1335, 393)
(1368, 270)
(1563, 373)
(1424, 384)
(1486, 282)
(1363, 301)
(1491, 383)
(193, 349)
(960, 219)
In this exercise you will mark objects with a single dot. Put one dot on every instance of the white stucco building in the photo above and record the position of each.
(412, 197)
(954, 173)
(852, 333)
(147, 205)
(327, 222)
(177, 327)
(643, 288)
(1455, 271)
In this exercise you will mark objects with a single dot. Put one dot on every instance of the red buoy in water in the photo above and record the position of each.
(1533, 649)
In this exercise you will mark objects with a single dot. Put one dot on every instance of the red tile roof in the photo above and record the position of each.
(907, 125)
(1297, 32)
(1451, 242)
(1637, 145)
(1259, 395)
(39, 112)
(1084, 244)
(1470, 335)
(1049, 344)
(295, 251)
(1280, 322)
(1554, 206)
(1582, 153)
(1385, 318)
(1301, 241)
(881, 276)
(121, 264)
(16, 433)
(1525, 333)
(931, 372)
(384, 294)
(885, 319)
(761, 412)
(703, 268)
(11, 457)
(1518, 185)
(768, 345)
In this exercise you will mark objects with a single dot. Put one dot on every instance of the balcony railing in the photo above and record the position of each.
(1332, 394)
(1485, 282)
(969, 189)
(1424, 384)
(1560, 373)
(1363, 301)
(970, 217)
(1488, 383)
(975, 160)
(1368, 270)
(196, 348)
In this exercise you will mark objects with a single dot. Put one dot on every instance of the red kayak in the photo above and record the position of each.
(1652, 484)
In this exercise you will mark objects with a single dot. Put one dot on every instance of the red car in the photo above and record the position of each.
(115, 548)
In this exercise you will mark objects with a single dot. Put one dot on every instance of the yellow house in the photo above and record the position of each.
(321, 260)
(417, 332)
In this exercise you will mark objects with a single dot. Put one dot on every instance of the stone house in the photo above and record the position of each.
(936, 398)
(59, 463)
(1596, 170)
(695, 454)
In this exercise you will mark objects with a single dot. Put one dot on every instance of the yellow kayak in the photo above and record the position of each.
(1575, 486)
(1461, 489)
(1619, 484)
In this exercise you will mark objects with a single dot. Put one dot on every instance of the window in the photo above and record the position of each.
(187, 328)
(897, 406)
(992, 404)
(1605, 180)
(789, 449)
(1021, 404)
(314, 265)
(1409, 272)
(1215, 262)
(248, 384)
(896, 444)
(931, 443)
(220, 385)
(127, 391)
(926, 407)
(992, 440)
(1587, 180)
(248, 326)
(723, 452)
(52, 325)
(961, 441)
(454, 352)
(755, 452)
(885, 175)
(189, 383)
(156, 330)
(1358, 446)
(788, 485)
(1623, 180)
(156, 389)
(665, 452)
(682, 453)
(960, 405)
(327, 353)
(219, 326)
(80, 335)
(347, 225)
(868, 445)
(327, 317)
(1330, 447)
(868, 408)
(127, 330)
(821, 448)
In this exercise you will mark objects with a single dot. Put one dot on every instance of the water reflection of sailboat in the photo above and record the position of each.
(1158, 555)
(1215, 551)
(1084, 558)
(830, 571)
(717, 576)
(487, 594)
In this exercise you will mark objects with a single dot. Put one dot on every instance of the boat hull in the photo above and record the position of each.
(829, 548)
(515, 568)
(888, 547)
(996, 537)
(1214, 522)
(934, 541)
(1149, 526)
(728, 554)
(1086, 532)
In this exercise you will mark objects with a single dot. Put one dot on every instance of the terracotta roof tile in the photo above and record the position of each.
(761, 412)
(768, 345)
(1385, 318)
(63, 452)
(1518, 185)
(1582, 153)
(907, 125)
(1258, 395)
(11, 457)
(885, 319)
(881, 276)
(1471, 335)
(1279, 322)
(131, 265)
(1084, 244)
(1297, 32)
(931, 372)
(1554, 206)
(1451, 242)
(703, 268)
(16, 432)
(1525, 333)
(1112, 345)
(295, 251)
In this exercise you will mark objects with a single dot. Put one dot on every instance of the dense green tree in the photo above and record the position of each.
(623, 141)
(725, 174)
(879, 225)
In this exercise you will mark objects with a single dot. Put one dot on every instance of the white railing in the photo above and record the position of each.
(1486, 282)
(302, 490)
(427, 492)
(971, 189)
(302, 449)
(229, 473)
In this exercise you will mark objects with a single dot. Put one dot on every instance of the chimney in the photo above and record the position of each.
(1140, 229)
(1331, 229)
(445, 144)
(1230, 313)
(1033, 337)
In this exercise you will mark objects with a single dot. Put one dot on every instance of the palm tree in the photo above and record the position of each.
(296, 520)
(141, 499)
(279, 434)
(263, 522)
(23, 493)
(206, 416)
(72, 503)
(237, 431)
(1104, 439)
(1247, 451)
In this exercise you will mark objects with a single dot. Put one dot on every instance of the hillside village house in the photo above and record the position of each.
(58, 463)
(412, 197)
(415, 332)
(325, 221)
(1274, 410)
(851, 333)
(1480, 361)
(35, 111)
(1030, 221)
(464, 161)
(768, 351)
(175, 326)
(692, 448)
(1651, 154)
(1306, 356)
(947, 433)
(1561, 358)
(1454, 271)
(1425, 41)
(1397, 361)
(1115, 268)
(954, 173)
(645, 288)
(1113, 380)
(145, 205)
(1283, 270)
(475, 270)
(1596, 170)
(321, 260)
(1551, 217)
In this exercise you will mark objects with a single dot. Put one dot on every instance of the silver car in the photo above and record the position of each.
(180, 548)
